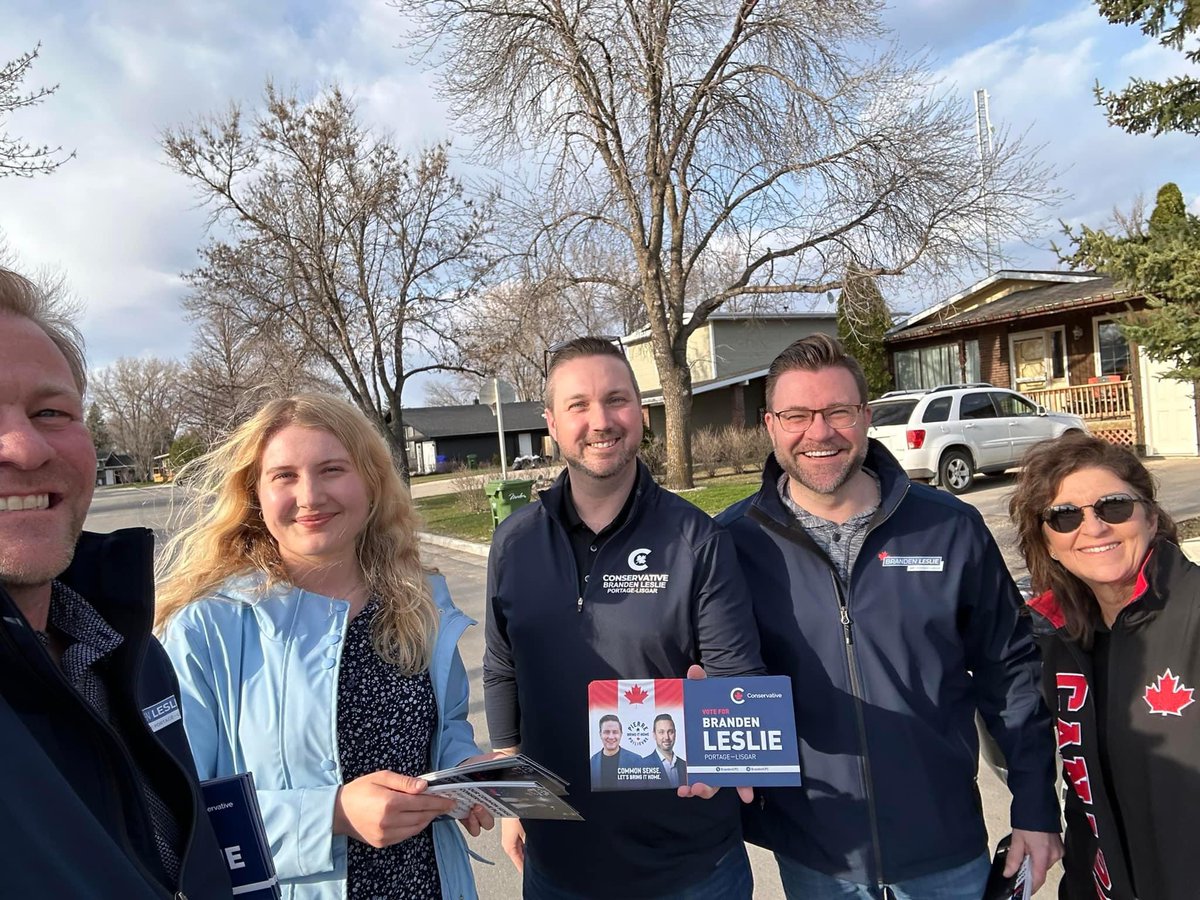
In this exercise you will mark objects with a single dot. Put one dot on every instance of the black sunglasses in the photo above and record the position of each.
(1113, 509)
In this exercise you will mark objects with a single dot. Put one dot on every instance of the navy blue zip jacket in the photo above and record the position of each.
(545, 643)
(76, 823)
(887, 675)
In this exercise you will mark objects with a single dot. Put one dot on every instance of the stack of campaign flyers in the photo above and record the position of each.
(660, 733)
(509, 787)
(237, 821)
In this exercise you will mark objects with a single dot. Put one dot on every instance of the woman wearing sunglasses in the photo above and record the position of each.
(1119, 626)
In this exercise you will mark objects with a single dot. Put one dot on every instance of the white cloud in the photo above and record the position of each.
(116, 218)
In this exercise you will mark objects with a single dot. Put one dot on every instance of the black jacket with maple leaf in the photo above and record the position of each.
(1152, 739)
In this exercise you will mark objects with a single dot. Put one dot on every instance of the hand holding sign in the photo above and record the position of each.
(703, 791)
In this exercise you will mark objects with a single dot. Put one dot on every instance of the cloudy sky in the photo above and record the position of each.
(123, 226)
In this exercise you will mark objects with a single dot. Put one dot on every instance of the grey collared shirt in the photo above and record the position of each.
(841, 543)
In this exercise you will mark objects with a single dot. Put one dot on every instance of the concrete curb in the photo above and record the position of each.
(1191, 549)
(440, 540)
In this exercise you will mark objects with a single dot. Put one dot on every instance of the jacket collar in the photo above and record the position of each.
(553, 500)
(1163, 564)
(115, 574)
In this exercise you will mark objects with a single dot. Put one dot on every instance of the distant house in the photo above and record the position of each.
(1054, 337)
(442, 437)
(729, 356)
(115, 468)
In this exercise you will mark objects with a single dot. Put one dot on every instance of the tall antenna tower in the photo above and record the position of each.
(983, 143)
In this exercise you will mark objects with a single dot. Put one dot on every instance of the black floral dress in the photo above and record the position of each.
(385, 720)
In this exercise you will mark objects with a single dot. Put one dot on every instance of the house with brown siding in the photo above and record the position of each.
(1055, 337)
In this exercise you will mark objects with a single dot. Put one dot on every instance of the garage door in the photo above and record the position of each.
(1170, 411)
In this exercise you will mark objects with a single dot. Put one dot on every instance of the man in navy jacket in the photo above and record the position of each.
(609, 576)
(890, 607)
(97, 786)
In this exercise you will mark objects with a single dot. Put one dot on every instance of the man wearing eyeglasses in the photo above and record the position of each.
(889, 605)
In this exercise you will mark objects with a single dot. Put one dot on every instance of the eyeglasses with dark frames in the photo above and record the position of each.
(1112, 509)
(798, 420)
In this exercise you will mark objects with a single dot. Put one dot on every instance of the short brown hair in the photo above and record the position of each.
(22, 298)
(811, 354)
(1043, 469)
(579, 348)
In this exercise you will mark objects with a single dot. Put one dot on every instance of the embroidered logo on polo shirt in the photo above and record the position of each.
(639, 581)
(912, 563)
(162, 713)
(1168, 696)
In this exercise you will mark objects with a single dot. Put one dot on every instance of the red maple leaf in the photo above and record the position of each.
(1167, 696)
(883, 554)
(636, 694)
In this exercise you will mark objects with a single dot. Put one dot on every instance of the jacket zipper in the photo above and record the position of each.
(788, 531)
(571, 550)
(857, 692)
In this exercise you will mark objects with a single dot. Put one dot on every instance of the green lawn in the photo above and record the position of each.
(443, 514)
(714, 494)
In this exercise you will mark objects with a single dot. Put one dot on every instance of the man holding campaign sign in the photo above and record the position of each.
(611, 577)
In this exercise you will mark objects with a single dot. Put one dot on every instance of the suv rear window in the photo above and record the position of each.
(938, 410)
(892, 412)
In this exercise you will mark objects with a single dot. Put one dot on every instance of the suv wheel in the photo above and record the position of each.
(955, 472)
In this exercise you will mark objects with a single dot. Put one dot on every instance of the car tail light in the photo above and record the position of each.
(916, 438)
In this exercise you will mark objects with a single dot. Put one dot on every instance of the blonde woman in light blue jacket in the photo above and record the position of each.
(314, 650)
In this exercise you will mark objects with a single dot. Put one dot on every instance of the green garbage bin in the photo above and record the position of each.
(472, 461)
(507, 495)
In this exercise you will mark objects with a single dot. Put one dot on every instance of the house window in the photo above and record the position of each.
(929, 367)
(1112, 349)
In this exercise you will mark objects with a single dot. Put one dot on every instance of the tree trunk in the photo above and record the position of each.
(677, 404)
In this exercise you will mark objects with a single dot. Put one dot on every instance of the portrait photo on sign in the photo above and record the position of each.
(636, 735)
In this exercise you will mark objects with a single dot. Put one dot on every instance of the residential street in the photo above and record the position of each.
(159, 508)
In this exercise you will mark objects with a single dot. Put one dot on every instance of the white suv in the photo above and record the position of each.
(951, 432)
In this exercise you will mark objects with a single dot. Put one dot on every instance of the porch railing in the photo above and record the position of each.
(1103, 400)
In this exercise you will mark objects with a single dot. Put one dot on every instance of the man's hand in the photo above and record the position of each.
(697, 789)
(384, 808)
(477, 819)
(512, 839)
(1044, 849)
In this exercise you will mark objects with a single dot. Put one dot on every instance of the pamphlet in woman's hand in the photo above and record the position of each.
(509, 787)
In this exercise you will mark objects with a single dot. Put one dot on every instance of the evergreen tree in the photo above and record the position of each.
(101, 437)
(862, 320)
(1171, 105)
(1161, 261)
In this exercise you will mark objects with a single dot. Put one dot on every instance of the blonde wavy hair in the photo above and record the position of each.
(228, 536)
